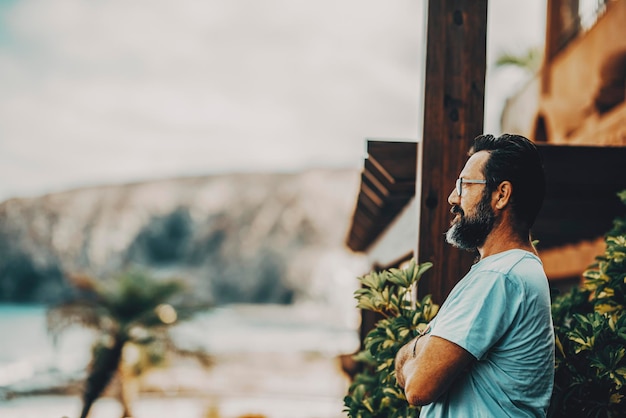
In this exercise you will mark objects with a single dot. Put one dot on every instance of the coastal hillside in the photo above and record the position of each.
(239, 238)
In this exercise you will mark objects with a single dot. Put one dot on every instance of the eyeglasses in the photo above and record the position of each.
(460, 181)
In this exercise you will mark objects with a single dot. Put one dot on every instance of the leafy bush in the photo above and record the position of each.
(590, 328)
(374, 393)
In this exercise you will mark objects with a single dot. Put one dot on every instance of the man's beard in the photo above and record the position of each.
(470, 232)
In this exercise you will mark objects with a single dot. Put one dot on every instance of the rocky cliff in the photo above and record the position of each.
(234, 238)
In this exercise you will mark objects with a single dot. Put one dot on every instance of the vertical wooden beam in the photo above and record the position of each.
(453, 117)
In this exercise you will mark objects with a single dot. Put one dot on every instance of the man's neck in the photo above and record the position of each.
(504, 239)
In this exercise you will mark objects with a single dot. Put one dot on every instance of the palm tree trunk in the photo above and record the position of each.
(104, 365)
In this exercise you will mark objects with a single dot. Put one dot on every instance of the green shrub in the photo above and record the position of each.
(374, 393)
(590, 329)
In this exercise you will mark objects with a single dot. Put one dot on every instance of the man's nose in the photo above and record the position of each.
(454, 198)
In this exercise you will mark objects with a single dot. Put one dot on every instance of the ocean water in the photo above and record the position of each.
(29, 359)
(28, 353)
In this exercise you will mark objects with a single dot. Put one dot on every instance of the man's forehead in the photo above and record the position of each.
(474, 165)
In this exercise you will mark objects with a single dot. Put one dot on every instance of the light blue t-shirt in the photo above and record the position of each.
(500, 313)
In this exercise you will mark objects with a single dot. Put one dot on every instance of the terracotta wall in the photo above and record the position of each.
(583, 95)
(580, 98)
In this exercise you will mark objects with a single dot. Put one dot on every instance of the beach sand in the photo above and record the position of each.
(269, 385)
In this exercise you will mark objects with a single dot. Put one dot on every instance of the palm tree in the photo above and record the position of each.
(131, 310)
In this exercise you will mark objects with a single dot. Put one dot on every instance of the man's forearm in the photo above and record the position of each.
(406, 353)
(437, 363)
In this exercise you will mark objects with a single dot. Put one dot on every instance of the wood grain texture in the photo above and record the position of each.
(453, 117)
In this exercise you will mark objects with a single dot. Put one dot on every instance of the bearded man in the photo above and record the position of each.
(489, 352)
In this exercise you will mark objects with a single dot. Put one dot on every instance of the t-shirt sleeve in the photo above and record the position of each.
(480, 314)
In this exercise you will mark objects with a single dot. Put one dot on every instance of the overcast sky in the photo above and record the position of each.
(110, 91)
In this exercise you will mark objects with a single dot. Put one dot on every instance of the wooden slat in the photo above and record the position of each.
(378, 181)
(387, 185)
(371, 205)
(398, 158)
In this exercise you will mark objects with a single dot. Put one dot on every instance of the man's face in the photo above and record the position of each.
(470, 230)
(475, 217)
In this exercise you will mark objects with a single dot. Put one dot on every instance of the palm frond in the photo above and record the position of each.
(80, 312)
(132, 296)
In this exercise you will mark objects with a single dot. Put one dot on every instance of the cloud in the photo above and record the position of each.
(103, 91)
(107, 91)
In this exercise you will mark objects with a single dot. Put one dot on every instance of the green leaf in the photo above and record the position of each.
(422, 268)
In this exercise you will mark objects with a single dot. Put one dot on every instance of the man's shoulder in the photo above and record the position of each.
(517, 270)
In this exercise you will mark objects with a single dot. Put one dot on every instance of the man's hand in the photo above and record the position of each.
(406, 354)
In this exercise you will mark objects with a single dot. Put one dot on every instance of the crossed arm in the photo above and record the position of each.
(426, 368)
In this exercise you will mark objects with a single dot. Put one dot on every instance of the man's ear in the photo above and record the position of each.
(503, 194)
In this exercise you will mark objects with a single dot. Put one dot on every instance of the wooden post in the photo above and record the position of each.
(453, 117)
